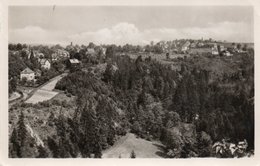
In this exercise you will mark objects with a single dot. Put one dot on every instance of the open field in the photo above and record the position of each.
(51, 85)
(45, 92)
(141, 147)
(41, 95)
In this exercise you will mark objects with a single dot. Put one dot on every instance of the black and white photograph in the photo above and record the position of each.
(130, 82)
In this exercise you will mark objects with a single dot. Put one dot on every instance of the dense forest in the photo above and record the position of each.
(188, 110)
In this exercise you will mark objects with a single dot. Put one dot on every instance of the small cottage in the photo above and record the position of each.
(27, 74)
(45, 63)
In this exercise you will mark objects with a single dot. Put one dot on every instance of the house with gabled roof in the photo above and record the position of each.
(36, 54)
(74, 61)
(45, 63)
(74, 64)
(59, 54)
(27, 74)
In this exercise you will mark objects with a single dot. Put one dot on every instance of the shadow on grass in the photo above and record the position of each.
(162, 151)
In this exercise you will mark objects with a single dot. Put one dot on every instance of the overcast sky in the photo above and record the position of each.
(134, 25)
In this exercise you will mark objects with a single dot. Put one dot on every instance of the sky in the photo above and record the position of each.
(133, 24)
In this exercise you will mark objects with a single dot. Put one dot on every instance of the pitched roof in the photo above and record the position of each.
(43, 61)
(74, 60)
(27, 71)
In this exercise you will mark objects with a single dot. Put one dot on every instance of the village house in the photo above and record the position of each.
(60, 54)
(100, 50)
(200, 44)
(90, 51)
(214, 50)
(38, 73)
(163, 45)
(238, 50)
(103, 50)
(222, 48)
(27, 74)
(45, 63)
(74, 63)
(226, 53)
(26, 51)
(36, 54)
(185, 46)
(194, 44)
(54, 57)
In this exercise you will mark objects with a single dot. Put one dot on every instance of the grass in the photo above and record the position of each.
(142, 148)
(62, 96)
(45, 92)
(41, 95)
(51, 85)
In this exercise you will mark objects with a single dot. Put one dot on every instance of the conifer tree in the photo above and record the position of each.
(90, 134)
(22, 132)
(42, 153)
(133, 155)
(14, 149)
(53, 147)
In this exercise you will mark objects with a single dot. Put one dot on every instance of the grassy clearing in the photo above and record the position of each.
(51, 85)
(41, 95)
(141, 147)
(62, 96)
(45, 92)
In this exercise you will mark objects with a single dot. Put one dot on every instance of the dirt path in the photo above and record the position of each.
(129, 142)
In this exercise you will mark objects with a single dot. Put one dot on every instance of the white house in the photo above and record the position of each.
(28, 74)
(222, 48)
(227, 53)
(104, 50)
(185, 46)
(45, 63)
(74, 61)
(214, 50)
(60, 54)
(90, 51)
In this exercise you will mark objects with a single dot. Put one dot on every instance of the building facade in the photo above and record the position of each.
(27, 74)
